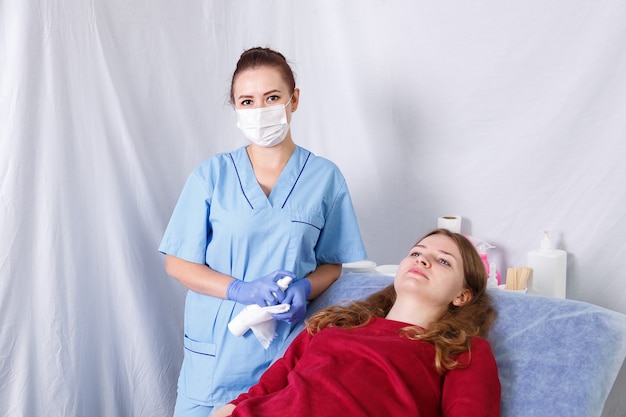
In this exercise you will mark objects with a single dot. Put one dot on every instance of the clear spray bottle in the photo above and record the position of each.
(482, 248)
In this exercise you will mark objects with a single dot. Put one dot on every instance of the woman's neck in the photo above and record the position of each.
(268, 163)
(418, 314)
(272, 157)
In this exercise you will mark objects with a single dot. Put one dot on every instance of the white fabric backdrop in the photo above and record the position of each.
(510, 114)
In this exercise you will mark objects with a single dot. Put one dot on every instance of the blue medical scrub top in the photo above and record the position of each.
(224, 219)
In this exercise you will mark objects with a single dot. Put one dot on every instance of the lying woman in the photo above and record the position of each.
(415, 348)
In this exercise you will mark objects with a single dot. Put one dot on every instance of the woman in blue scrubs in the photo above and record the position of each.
(245, 219)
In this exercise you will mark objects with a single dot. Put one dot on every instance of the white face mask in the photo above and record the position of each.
(265, 126)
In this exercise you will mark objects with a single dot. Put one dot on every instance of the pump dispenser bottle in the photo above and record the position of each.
(482, 247)
(549, 267)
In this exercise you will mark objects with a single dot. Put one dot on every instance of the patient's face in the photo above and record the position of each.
(432, 272)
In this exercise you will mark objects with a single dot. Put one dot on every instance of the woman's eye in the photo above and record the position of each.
(444, 262)
(272, 98)
(414, 254)
(246, 102)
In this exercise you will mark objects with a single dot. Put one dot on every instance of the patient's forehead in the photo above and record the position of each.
(440, 243)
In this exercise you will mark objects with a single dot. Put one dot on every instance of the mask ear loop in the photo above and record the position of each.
(287, 103)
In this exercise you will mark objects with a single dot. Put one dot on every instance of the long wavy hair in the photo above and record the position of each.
(451, 333)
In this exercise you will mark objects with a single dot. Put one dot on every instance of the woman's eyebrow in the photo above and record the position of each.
(272, 92)
(249, 96)
(437, 250)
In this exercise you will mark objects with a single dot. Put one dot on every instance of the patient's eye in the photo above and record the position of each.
(246, 102)
(443, 262)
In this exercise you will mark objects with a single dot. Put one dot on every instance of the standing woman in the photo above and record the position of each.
(243, 220)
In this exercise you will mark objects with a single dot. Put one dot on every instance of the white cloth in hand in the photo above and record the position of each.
(260, 320)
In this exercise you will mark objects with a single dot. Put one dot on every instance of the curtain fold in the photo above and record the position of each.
(508, 114)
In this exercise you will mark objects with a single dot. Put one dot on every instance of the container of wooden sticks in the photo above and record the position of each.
(517, 279)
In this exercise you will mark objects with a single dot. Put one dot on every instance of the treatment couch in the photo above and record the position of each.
(556, 357)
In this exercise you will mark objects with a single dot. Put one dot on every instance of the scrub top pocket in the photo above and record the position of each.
(304, 232)
(198, 356)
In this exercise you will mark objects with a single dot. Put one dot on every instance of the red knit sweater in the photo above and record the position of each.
(371, 371)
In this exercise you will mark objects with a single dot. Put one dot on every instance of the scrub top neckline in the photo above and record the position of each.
(283, 186)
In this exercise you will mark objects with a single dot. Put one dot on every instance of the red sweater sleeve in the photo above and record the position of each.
(473, 391)
(275, 377)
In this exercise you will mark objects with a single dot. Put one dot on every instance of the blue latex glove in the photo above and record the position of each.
(263, 291)
(296, 295)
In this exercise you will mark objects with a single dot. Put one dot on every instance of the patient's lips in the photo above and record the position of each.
(418, 272)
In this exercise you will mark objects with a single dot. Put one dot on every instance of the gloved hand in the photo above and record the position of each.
(296, 295)
(263, 291)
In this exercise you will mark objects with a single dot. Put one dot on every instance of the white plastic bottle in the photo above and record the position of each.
(549, 267)
(492, 281)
